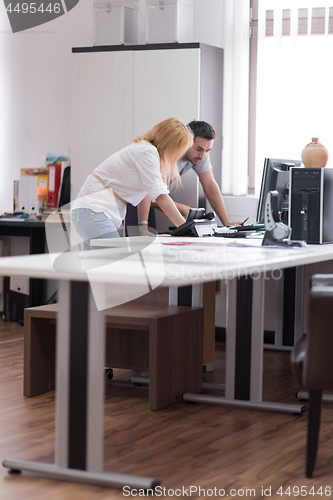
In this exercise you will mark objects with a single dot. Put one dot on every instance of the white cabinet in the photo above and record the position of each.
(102, 109)
(121, 91)
(166, 83)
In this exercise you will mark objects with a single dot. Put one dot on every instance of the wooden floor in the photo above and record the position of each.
(184, 445)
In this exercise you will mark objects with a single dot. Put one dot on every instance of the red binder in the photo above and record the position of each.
(54, 184)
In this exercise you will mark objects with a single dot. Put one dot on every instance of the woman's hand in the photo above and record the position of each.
(144, 231)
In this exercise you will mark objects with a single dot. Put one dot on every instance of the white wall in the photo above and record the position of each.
(35, 89)
(35, 83)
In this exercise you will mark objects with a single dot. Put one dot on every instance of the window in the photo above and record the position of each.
(269, 22)
(285, 22)
(294, 100)
(318, 21)
(302, 21)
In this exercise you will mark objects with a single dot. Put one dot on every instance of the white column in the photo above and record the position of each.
(235, 96)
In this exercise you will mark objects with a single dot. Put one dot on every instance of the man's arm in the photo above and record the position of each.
(215, 198)
(167, 205)
(183, 209)
(163, 203)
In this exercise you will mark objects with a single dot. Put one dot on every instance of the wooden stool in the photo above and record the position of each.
(166, 340)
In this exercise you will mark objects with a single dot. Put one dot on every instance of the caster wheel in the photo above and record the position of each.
(14, 471)
(108, 374)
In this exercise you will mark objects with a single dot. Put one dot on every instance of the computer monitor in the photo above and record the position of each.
(275, 177)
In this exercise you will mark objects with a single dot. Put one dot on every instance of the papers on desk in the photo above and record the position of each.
(214, 242)
(212, 259)
(179, 261)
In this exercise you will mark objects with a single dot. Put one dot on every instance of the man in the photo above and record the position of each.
(196, 157)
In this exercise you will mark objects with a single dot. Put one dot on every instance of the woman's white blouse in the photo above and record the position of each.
(132, 172)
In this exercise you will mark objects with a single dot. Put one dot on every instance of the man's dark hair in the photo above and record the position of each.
(202, 129)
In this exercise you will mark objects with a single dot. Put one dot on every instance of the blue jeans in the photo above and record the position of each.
(90, 225)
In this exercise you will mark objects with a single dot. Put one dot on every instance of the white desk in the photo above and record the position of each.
(193, 261)
(80, 329)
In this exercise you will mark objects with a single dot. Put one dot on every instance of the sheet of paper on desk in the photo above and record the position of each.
(196, 242)
(212, 242)
(223, 253)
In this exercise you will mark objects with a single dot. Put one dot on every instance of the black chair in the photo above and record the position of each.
(132, 219)
(312, 358)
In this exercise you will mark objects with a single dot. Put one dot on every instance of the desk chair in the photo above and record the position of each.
(132, 218)
(312, 358)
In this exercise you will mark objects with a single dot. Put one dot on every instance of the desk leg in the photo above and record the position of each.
(299, 301)
(190, 295)
(244, 350)
(290, 296)
(79, 384)
(244, 339)
(80, 396)
(289, 304)
(279, 294)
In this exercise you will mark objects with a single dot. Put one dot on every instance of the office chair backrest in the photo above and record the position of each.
(317, 371)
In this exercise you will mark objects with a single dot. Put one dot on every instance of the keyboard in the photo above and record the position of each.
(239, 231)
(231, 234)
(257, 226)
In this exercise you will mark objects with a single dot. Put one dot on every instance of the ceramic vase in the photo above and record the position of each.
(314, 155)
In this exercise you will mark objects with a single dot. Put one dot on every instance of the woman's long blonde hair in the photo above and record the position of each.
(172, 138)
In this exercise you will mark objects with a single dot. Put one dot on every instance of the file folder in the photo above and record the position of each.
(54, 184)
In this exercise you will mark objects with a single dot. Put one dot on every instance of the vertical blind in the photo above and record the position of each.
(294, 89)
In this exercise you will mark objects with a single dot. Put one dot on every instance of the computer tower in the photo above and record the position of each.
(311, 204)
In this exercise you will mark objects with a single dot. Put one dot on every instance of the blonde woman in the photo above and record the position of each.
(138, 174)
